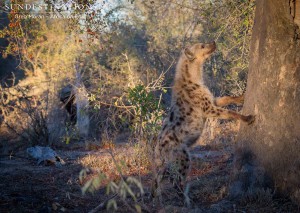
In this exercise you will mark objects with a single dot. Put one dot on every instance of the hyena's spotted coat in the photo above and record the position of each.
(192, 103)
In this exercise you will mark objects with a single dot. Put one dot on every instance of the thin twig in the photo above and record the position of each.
(117, 106)
(103, 204)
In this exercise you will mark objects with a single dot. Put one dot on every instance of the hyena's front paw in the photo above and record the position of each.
(249, 119)
(239, 100)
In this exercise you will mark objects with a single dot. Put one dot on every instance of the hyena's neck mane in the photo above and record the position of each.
(187, 71)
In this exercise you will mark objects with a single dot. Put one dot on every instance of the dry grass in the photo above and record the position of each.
(129, 160)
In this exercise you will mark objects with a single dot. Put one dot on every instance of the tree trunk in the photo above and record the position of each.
(273, 95)
(82, 102)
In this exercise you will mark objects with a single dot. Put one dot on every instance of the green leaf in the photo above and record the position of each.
(112, 204)
(138, 208)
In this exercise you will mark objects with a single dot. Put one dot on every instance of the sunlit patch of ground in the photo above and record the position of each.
(127, 158)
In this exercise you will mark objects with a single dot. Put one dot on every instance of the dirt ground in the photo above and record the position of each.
(28, 187)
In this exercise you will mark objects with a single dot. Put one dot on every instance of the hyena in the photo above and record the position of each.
(192, 103)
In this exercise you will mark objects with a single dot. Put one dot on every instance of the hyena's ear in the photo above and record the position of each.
(188, 53)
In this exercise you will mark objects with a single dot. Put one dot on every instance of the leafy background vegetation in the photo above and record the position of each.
(125, 53)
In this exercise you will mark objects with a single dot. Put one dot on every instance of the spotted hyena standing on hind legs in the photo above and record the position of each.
(192, 103)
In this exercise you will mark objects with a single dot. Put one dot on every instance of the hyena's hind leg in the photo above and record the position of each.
(159, 170)
(175, 170)
(179, 168)
(182, 166)
(227, 100)
(156, 184)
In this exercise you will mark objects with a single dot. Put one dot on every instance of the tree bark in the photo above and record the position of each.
(273, 95)
(82, 102)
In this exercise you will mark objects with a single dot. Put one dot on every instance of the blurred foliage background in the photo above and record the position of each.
(122, 54)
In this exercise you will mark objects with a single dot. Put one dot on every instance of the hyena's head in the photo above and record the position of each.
(199, 52)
